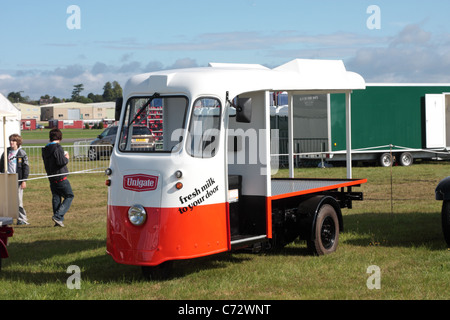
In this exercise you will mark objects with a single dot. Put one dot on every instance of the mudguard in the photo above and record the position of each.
(3, 250)
(5, 233)
(308, 211)
(442, 191)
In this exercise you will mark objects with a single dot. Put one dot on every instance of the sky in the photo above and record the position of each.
(48, 46)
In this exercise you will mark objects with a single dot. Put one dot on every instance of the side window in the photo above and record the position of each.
(105, 133)
(204, 129)
(112, 131)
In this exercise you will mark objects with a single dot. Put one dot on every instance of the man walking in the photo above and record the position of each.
(55, 162)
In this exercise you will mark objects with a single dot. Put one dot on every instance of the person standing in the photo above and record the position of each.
(17, 163)
(55, 162)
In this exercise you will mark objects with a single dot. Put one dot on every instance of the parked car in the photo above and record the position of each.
(442, 192)
(104, 143)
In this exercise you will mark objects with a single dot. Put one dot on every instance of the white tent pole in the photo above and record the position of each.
(348, 128)
(291, 134)
(5, 167)
(5, 161)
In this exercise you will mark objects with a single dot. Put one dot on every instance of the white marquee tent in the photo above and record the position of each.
(10, 116)
(9, 124)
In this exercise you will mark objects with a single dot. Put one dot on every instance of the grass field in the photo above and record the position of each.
(67, 134)
(401, 234)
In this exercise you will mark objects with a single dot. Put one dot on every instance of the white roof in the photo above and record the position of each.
(7, 108)
(296, 75)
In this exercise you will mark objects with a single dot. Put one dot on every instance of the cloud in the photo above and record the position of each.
(413, 55)
(184, 63)
(131, 67)
(59, 81)
(99, 68)
(70, 71)
(5, 77)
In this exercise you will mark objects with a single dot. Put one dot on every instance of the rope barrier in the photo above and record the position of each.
(61, 174)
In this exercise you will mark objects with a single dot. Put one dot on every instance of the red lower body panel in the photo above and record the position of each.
(167, 234)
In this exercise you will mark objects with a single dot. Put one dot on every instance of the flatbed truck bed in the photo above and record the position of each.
(290, 187)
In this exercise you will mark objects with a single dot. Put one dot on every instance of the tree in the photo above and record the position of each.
(117, 90)
(76, 92)
(108, 93)
(111, 91)
(95, 97)
(15, 97)
(56, 100)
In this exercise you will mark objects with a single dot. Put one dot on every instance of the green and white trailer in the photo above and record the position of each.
(390, 124)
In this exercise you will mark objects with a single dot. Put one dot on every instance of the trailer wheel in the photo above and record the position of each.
(386, 160)
(326, 232)
(406, 159)
(445, 215)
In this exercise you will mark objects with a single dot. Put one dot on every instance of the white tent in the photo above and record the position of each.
(9, 124)
(10, 116)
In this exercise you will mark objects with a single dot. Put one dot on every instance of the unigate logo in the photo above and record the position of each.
(140, 182)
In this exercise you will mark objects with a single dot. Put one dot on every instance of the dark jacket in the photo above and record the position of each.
(54, 161)
(23, 168)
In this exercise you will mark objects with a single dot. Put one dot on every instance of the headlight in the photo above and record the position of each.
(137, 215)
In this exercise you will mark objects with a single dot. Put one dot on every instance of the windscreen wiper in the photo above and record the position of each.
(154, 96)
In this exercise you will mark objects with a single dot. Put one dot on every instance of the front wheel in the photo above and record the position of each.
(93, 154)
(445, 215)
(386, 160)
(326, 232)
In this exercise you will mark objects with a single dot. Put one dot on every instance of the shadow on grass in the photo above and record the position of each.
(37, 261)
(413, 229)
(47, 261)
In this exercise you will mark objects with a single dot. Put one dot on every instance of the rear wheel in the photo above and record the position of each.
(406, 159)
(445, 215)
(326, 232)
(386, 160)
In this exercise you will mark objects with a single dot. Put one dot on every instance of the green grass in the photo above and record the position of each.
(405, 240)
(67, 134)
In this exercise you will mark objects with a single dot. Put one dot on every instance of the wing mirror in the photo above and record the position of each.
(119, 102)
(244, 110)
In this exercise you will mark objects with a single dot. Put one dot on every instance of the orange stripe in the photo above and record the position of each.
(315, 190)
(269, 217)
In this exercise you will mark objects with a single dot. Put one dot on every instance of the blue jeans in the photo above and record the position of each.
(61, 190)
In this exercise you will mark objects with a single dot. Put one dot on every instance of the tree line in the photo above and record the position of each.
(111, 91)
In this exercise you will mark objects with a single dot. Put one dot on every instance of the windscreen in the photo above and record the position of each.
(153, 124)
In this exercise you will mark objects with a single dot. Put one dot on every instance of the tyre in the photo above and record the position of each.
(445, 215)
(406, 159)
(326, 232)
(386, 160)
(93, 154)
